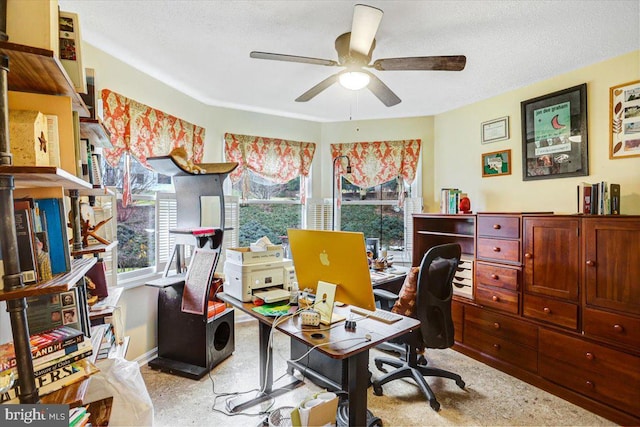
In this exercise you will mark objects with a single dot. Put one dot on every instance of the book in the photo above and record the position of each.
(54, 380)
(25, 237)
(52, 209)
(53, 140)
(584, 198)
(46, 312)
(614, 190)
(42, 344)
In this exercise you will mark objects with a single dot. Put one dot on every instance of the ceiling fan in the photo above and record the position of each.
(354, 53)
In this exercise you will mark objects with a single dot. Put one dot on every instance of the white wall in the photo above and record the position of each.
(458, 149)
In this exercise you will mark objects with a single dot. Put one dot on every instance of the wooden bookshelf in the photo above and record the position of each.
(45, 176)
(62, 283)
(36, 70)
(98, 248)
(95, 132)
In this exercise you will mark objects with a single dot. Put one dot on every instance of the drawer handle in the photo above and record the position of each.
(618, 328)
(496, 249)
(496, 325)
(590, 384)
(495, 298)
(496, 346)
(495, 277)
(591, 263)
(528, 255)
(546, 310)
(496, 226)
(589, 356)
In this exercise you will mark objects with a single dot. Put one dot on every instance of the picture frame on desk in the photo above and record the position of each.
(624, 120)
(554, 135)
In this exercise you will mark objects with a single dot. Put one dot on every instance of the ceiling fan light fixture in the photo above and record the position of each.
(354, 80)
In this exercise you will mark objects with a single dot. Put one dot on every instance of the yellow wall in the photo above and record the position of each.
(458, 149)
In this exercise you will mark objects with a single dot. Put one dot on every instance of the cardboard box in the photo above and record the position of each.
(246, 256)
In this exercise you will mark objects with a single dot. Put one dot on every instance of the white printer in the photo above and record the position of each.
(243, 280)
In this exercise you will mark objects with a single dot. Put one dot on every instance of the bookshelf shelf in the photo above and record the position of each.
(59, 284)
(95, 132)
(45, 176)
(94, 249)
(36, 70)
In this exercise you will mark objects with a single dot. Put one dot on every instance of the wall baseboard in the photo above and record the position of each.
(147, 357)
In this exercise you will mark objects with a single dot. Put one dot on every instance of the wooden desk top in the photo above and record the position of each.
(334, 341)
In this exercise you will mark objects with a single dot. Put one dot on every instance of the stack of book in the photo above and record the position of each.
(601, 198)
(78, 416)
(61, 357)
(108, 339)
(450, 200)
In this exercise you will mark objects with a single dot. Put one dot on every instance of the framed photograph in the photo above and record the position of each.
(495, 130)
(624, 124)
(554, 135)
(496, 163)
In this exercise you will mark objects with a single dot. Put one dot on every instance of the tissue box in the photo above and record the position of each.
(246, 256)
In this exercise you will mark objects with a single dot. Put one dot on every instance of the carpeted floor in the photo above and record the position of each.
(491, 398)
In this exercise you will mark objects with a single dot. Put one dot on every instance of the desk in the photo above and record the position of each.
(346, 345)
(328, 372)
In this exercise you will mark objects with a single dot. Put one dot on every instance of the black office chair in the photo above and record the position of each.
(433, 309)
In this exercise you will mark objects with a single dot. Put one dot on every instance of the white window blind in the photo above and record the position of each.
(411, 205)
(319, 214)
(166, 217)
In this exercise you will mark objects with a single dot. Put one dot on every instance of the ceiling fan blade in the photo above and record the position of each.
(382, 91)
(318, 88)
(437, 63)
(364, 26)
(292, 58)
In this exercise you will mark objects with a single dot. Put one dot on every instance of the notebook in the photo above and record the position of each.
(337, 257)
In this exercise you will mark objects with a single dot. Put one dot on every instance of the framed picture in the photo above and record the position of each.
(624, 124)
(495, 130)
(554, 135)
(496, 163)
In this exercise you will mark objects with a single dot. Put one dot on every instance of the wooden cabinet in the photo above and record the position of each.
(437, 229)
(557, 304)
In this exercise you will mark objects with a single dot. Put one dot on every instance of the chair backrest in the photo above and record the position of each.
(434, 293)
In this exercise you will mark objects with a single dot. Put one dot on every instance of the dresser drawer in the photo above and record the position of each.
(549, 310)
(499, 250)
(497, 276)
(500, 348)
(507, 227)
(463, 273)
(610, 376)
(497, 298)
(617, 328)
(505, 327)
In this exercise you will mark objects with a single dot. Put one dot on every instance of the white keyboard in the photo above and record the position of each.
(379, 314)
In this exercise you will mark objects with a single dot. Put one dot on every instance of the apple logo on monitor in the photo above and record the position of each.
(324, 258)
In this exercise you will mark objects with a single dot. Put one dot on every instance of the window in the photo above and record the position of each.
(375, 212)
(144, 221)
(268, 209)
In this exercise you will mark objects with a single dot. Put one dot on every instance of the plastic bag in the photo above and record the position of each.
(122, 379)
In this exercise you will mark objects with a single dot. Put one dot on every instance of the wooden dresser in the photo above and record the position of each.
(556, 302)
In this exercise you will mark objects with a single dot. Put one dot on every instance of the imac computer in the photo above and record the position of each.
(337, 257)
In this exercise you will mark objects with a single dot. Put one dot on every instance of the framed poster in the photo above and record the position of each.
(554, 135)
(496, 163)
(495, 130)
(624, 124)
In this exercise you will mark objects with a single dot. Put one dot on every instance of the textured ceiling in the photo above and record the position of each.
(201, 48)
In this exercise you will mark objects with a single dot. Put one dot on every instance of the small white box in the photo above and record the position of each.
(28, 135)
(246, 256)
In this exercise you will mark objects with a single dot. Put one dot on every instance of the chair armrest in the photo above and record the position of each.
(384, 295)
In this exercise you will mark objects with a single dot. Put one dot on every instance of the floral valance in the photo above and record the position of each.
(374, 163)
(141, 131)
(278, 160)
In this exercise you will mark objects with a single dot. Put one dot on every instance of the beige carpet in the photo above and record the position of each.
(491, 398)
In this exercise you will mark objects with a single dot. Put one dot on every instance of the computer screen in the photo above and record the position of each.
(337, 257)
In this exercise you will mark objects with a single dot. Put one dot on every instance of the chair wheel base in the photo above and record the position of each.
(460, 384)
(377, 389)
(435, 405)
